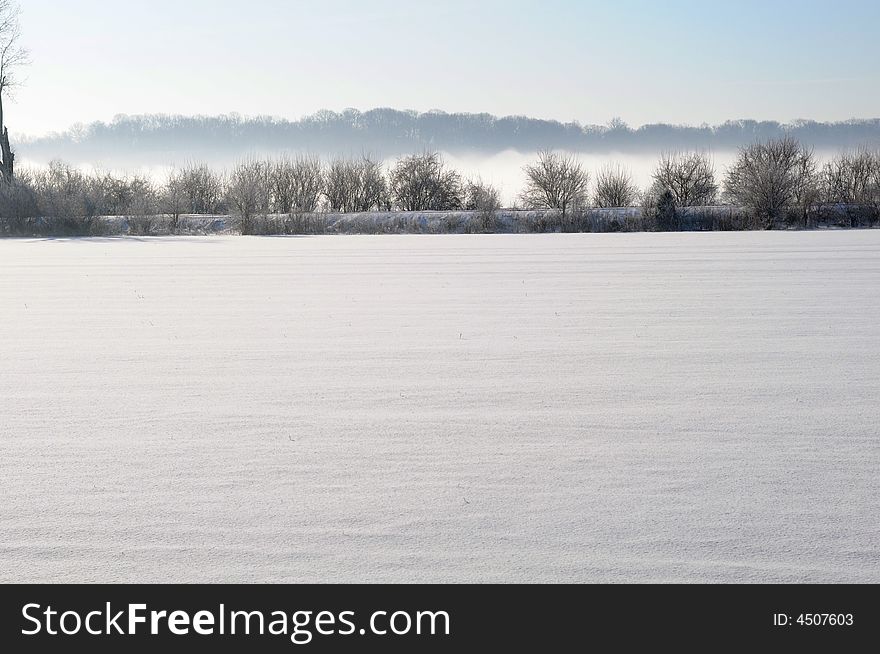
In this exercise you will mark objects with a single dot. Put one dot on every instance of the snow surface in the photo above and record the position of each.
(561, 407)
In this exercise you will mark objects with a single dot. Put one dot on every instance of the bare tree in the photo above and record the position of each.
(872, 192)
(248, 192)
(771, 178)
(555, 181)
(112, 193)
(355, 186)
(688, 176)
(18, 205)
(851, 178)
(372, 186)
(173, 199)
(424, 183)
(296, 184)
(341, 184)
(485, 200)
(12, 57)
(202, 189)
(142, 205)
(282, 185)
(69, 197)
(806, 185)
(615, 188)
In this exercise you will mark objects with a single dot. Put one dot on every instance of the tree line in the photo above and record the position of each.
(776, 182)
(389, 132)
(774, 178)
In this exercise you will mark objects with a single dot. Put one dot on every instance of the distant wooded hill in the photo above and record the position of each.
(158, 139)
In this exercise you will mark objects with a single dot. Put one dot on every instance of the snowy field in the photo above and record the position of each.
(562, 407)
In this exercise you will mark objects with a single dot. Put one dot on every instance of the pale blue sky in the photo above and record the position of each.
(683, 61)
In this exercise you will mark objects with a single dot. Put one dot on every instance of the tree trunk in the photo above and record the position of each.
(7, 165)
(7, 157)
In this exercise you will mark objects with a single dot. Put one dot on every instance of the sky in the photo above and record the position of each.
(684, 61)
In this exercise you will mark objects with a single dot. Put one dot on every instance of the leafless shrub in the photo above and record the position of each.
(111, 193)
(851, 182)
(196, 189)
(615, 188)
(296, 185)
(556, 181)
(806, 189)
(424, 183)
(18, 206)
(248, 192)
(68, 199)
(340, 185)
(142, 207)
(282, 185)
(773, 178)
(485, 200)
(173, 200)
(689, 177)
(354, 186)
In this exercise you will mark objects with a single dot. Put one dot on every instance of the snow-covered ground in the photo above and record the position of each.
(561, 407)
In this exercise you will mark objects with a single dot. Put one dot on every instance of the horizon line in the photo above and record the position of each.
(611, 125)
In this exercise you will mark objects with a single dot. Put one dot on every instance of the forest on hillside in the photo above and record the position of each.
(156, 139)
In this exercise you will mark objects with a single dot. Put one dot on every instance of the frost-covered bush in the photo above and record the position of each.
(295, 185)
(18, 207)
(248, 193)
(689, 177)
(558, 182)
(615, 188)
(424, 183)
(776, 180)
(354, 186)
(485, 200)
(850, 186)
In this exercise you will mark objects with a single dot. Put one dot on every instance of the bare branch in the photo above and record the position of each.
(615, 188)
(424, 183)
(772, 177)
(689, 177)
(555, 181)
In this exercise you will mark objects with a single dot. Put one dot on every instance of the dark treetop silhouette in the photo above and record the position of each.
(158, 139)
